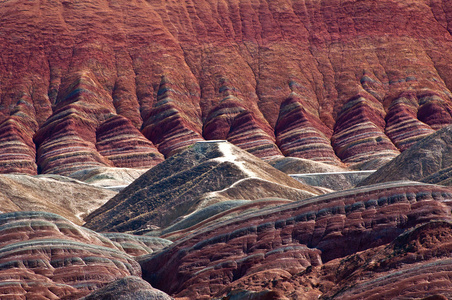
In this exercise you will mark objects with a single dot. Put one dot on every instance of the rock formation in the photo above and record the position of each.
(122, 144)
(430, 158)
(204, 174)
(128, 288)
(374, 271)
(69, 198)
(285, 242)
(137, 245)
(352, 82)
(108, 177)
(101, 91)
(44, 256)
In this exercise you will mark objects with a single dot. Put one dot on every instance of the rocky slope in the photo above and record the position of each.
(197, 91)
(128, 288)
(429, 160)
(207, 173)
(44, 256)
(286, 243)
(217, 222)
(64, 196)
(96, 83)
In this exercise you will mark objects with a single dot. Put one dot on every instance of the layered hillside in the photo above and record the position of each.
(44, 256)
(188, 188)
(92, 84)
(169, 128)
(216, 222)
(66, 197)
(429, 160)
(330, 246)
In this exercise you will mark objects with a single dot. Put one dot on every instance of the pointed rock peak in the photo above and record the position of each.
(221, 117)
(223, 151)
(295, 101)
(124, 145)
(206, 173)
(408, 97)
(166, 88)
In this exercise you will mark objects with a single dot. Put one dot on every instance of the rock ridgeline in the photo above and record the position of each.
(429, 160)
(208, 173)
(126, 84)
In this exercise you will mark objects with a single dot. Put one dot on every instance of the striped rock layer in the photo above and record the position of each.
(429, 160)
(414, 266)
(66, 197)
(206, 174)
(311, 246)
(137, 245)
(44, 256)
(367, 88)
(122, 144)
(128, 288)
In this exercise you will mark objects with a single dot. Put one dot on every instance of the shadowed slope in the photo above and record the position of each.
(416, 264)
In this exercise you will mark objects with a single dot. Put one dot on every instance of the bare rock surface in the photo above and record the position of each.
(428, 157)
(296, 165)
(137, 245)
(281, 242)
(45, 256)
(204, 174)
(394, 271)
(108, 177)
(335, 181)
(352, 82)
(123, 144)
(67, 197)
(443, 177)
(128, 288)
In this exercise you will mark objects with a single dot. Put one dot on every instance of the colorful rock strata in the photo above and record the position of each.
(205, 174)
(122, 144)
(430, 158)
(289, 241)
(335, 82)
(44, 256)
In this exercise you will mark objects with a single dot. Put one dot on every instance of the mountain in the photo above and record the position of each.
(92, 84)
(171, 128)
(208, 173)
